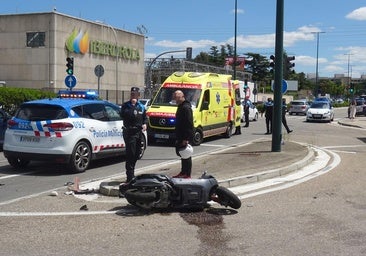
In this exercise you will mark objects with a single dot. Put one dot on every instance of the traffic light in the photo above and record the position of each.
(70, 66)
(272, 63)
(246, 87)
(245, 84)
(189, 53)
(352, 88)
(290, 65)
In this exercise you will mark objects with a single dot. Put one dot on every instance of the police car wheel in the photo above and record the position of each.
(81, 157)
(17, 162)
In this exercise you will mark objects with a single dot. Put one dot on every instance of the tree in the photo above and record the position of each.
(258, 65)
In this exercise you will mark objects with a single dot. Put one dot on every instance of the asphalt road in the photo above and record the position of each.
(325, 215)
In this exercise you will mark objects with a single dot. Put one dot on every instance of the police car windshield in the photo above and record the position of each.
(165, 96)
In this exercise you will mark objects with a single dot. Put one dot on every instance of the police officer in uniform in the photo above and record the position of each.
(268, 108)
(246, 112)
(133, 114)
(284, 121)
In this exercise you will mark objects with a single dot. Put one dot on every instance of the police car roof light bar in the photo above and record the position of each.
(90, 95)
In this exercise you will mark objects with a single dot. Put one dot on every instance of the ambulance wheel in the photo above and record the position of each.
(229, 131)
(197, 137)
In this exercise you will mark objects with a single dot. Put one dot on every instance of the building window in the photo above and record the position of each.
(36, 39)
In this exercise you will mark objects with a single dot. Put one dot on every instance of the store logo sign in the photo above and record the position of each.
(78, 42)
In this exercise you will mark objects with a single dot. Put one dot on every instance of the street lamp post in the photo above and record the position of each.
(117, 54)
(317, 62)
(348, 68)
(235, 31)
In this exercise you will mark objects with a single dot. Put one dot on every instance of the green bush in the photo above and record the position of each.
(11, 98)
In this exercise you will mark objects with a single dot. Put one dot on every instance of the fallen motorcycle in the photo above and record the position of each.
(159, 191)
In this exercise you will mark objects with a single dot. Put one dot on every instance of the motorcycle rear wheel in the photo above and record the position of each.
(226, 197)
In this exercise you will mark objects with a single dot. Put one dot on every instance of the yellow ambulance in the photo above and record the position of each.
(215, 100)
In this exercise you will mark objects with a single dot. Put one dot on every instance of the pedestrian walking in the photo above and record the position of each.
(352, 109)
(268, 109)
(184, 134)
(133, 114)
(284, 121)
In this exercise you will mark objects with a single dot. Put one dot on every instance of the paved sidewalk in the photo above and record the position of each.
(359, 122)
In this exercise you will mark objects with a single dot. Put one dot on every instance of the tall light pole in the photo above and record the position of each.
(348, 67)
(348, 73)
(317, 62)
(235, 31)
(117, 54)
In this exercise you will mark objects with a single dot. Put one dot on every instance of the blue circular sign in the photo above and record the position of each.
(70, 81)
(284, 86)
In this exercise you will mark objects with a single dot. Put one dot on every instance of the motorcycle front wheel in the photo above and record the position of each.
(226, 197)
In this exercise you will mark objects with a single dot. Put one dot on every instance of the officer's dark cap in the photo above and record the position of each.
(135, 89)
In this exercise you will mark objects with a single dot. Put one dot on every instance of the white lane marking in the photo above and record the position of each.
(346, 146)
(43, 214)
(307, 173)
(16, 175)
(345, 152)
(212, 145)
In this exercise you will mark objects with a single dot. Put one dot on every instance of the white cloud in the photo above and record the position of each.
(264, 41)
(183, 44)
(309, 61)
(239, 11)
(354, 53)
(358, 14)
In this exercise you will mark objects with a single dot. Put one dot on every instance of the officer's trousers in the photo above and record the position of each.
(133, 150)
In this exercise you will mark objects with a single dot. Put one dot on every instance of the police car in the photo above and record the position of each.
(73, 129)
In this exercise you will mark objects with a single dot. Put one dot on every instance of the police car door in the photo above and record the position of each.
(105, 127)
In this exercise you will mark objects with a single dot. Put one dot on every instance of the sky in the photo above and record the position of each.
(330, 31)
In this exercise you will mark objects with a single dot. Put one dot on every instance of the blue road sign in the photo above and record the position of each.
(70, 81)
(283, 88)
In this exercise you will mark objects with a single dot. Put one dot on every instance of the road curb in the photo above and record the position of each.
(260, 176)
(111, 188)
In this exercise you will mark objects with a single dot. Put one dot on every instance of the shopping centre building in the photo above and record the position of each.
(34, 48)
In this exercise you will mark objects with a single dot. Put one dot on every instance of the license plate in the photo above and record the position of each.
(30, 139)
(317, 116)
(161, 136)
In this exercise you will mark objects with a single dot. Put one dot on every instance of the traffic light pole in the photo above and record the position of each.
(277, 87)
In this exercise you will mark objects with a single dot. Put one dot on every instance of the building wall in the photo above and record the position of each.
(45, 66)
